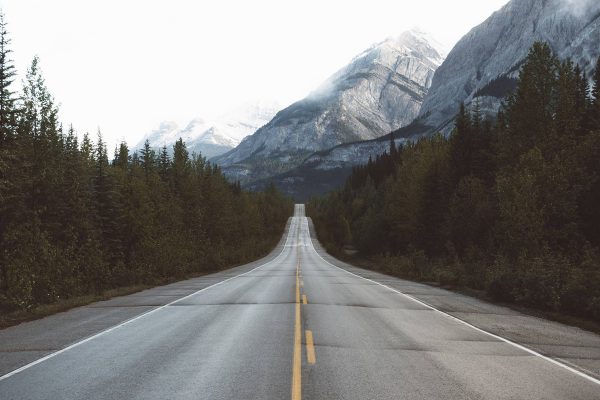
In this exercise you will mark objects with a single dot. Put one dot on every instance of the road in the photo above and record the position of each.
(297, 325)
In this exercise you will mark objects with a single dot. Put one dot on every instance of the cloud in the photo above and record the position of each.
(580, 8)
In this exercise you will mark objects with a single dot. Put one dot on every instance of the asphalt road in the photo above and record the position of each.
(297, 324)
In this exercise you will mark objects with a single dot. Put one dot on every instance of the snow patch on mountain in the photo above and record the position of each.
(379, 91)
(497, 47)
(212, 137)
(483, 67)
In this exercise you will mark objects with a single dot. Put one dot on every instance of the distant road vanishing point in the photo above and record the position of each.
(297, 324)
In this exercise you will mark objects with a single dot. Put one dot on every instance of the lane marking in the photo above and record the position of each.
(508, 341)
(310, 348)
(297, 362)
(304, 300)
(76, 344)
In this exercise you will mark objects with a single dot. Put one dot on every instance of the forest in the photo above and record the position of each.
(509, 206)
(73, 221)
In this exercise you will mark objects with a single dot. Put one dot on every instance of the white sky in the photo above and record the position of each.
(126, 65)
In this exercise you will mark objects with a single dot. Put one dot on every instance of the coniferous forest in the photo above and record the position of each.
(510, 206)
(75, 221)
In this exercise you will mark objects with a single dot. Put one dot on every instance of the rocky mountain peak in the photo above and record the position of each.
(380, 90)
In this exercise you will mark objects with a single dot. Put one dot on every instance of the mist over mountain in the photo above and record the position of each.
(482, 66)
(212, 137)
(379, 91)
(485, 63)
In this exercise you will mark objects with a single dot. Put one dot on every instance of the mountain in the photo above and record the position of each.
(485, 63)
(482, 66)
(326, 170)
(379, 91)
(212, 137)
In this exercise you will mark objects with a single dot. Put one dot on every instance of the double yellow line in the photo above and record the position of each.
(310, 348)
(297, 368)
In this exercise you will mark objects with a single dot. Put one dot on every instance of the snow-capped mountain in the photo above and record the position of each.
(485, 62)
(212, 137)
(379, 91)
(483, 65)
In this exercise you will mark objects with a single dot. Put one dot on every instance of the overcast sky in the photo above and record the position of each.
(126, 65)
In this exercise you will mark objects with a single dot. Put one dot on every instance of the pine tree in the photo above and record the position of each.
(181, 164)
(148, 159)
(569, 112)
(87, 148)
(393, 148)
(164, 163)
(476, 117)
(461, 152)
(41, 142)
(7, 132)
(108, 207)
(582, 103)
(7, 113)
(122, 156)
(7, 73)
(594, 111)
(530, 110)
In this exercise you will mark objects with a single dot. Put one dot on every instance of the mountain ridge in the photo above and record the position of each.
(463, 78)
(212, 137)
(380, 90)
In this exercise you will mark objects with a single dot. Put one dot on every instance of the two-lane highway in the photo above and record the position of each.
(296, 327)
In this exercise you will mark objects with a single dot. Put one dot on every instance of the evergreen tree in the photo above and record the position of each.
(569, 110)
(594, 110)
(164, 163)
(7, 133)
(582, 102)
(531, 108)
(519, 215)
(71, 223)
(7, 74)
(393, 147)
(122, 156)
(462, 142)
(148, 159)
(181, 164)
(108, 210)
(87, 149)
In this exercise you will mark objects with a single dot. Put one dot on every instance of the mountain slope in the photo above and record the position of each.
(493, 52)
(379, 91)
(483, 65)
(216, 136)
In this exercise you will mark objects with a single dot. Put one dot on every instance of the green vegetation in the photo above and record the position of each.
(74, 224)
(510, 206)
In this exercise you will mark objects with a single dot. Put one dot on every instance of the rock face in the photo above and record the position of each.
(325, 170)
(217, 136)
(379, 91)
(485, 61)
(483, 65)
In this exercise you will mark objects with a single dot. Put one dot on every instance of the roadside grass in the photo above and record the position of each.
(375, 264)
(19, 316)
(11, 317)
(15, 317)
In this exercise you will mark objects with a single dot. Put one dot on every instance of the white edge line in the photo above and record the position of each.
(56, 353)
(510, 342)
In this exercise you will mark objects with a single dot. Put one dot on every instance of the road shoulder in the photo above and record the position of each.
(29, 341)
(572, 346)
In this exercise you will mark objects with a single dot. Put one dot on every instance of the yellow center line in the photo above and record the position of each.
(304, 300)
(310, 348)
(297, 365)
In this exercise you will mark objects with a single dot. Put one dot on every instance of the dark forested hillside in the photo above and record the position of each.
(75, 222)
(511, 206)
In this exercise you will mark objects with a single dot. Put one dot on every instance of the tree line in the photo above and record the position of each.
(509, 205)
(73, 221)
